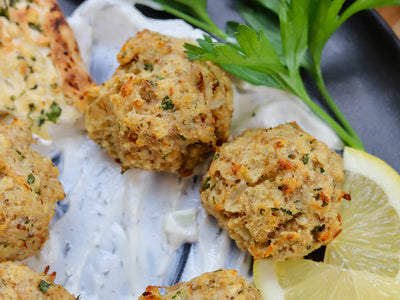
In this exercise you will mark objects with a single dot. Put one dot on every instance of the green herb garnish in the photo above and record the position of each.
(41, 121)
(55, 112)
(34, 27)
(44, 286)
(31, 109)
(31, 179)
(167, 104)
(286, 211)
(4, 12)
(206, 184)
(13, 2)
(182, 137)
(20, 153)
(148, 67)
(281, 38)
(305, 158)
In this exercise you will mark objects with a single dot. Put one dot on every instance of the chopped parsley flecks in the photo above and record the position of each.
(319, 228)
(55, 112)
(20, 153)
(167, 104)
(182, 137)
(41, 121)
(148, 67)
(286, 211)
(31, 179)
(4, 12)
(44, 286)
(206, 184)
(34, 26)
(305, 158)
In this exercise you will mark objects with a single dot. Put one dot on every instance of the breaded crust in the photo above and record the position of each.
(42, 76)
(220, 284)
(276, 191)
(160, 112)
(29, 191)
(19, 282)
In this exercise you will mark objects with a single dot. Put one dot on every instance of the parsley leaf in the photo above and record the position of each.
(282, 37)
(55, 112)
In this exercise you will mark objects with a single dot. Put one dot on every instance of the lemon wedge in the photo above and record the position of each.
(370, 238)
(363, 262)
(309, 280)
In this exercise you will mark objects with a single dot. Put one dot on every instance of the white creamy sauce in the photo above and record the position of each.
(115, 233)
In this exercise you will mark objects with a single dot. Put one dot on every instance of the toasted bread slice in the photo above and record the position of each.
(42, 76)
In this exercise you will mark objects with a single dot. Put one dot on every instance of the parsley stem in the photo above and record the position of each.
(205, 23)
(348, 139)
(316, 72)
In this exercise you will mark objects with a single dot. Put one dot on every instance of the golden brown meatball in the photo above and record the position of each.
(19, 282)
(29, 191)
(160, 112)
(220, 284)
(276, 191)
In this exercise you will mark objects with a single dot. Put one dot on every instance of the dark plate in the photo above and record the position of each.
(361, 67)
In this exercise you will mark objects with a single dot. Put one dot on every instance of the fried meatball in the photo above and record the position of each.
(19, 282)
(276, 191)
(220, 284)
(160, 111)
(29, 191)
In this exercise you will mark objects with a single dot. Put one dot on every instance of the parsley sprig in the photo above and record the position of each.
(281, 38)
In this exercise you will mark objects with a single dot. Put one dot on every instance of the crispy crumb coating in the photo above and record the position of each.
(160, 112)
(276, 191)
(19, 282)
(220, 284)
(29, 191)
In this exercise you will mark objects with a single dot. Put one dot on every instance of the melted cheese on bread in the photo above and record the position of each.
(42, 77)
